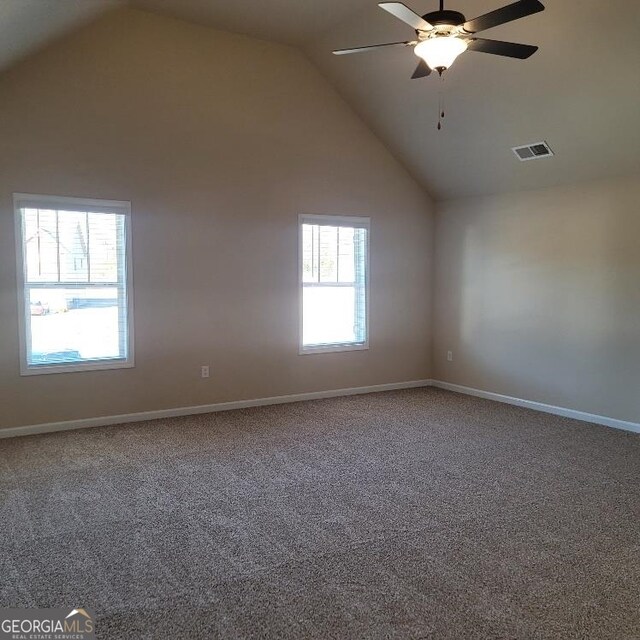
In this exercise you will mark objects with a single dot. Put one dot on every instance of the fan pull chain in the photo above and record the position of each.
(441, 102)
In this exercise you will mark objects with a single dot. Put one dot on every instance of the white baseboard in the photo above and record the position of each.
(539, 406)
(204, 408)
(313, 395)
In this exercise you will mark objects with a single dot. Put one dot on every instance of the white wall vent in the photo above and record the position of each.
(533, 151)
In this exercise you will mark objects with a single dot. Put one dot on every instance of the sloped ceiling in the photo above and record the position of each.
(27, 25)
(580, 92)
(292, 22)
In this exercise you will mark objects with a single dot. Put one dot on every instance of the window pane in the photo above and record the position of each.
(41, 245)
(328, 254)
(104, 231)
(346, 253)
(309, 254)
(329, 315)
(73, 325)
(74, 246)
(30, 242)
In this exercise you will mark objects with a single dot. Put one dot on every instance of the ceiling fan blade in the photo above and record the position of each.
(371, 47)
(422, 70)
(499, 48)
(511, 12)
(402, 12)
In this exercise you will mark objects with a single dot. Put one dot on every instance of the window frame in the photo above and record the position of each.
(361, 222)
(122, 207)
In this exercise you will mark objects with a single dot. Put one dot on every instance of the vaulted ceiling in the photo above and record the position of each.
(580, 92)
(289, 21)
(27, 25)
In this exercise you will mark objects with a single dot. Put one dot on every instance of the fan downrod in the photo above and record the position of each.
(445, 17)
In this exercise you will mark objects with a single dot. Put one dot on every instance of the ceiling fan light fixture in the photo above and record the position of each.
(440, 52)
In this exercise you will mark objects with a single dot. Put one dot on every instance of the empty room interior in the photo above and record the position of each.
(319, 319)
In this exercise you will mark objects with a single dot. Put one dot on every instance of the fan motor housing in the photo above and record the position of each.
(453, 18)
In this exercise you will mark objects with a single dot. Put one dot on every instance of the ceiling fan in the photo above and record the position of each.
(443, 35)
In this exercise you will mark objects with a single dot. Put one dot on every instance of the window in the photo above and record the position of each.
(334, 265)
(74, 284)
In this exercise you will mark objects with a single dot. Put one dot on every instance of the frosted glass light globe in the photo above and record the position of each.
(440, 52)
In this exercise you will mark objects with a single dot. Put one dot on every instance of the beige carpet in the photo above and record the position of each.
(409, 514)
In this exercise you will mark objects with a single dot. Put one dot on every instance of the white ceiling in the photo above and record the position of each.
(580, 92)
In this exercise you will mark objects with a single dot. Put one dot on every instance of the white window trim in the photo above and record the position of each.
(334, 221)
(123, 207)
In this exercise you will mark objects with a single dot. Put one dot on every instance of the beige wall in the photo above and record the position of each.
(219, 141)
(538, 296)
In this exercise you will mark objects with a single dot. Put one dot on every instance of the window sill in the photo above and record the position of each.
(94, 365)
(332, 348)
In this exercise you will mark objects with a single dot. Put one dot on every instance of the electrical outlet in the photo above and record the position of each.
(204, 371)
(450, 356)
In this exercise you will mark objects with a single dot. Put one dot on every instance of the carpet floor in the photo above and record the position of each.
(407, 514)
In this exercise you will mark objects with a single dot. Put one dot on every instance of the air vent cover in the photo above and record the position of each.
(533, 151)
